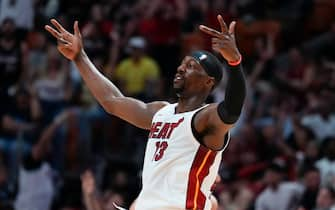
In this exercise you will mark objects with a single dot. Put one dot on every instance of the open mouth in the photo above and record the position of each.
(178, 78)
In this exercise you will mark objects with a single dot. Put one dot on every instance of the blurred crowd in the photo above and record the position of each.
(58, 147)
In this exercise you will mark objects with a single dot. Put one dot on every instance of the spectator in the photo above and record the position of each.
(326, 165)
(88, 185)
(37, 58)
(10, 57)
(21, 11)
(139, 73)
(92, 201)
(164, 40)
(325, 199)
(322, 123)
(288, 55)
(311, 181)
(35, 175)
(53, 86)
(18, 126)
(278, 195)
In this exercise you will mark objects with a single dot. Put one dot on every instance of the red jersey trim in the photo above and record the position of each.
(203, 160)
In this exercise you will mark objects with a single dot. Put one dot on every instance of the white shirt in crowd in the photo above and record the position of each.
(321, 128)
(21, 11)
(327, 171)
(285, 197)
(36, 189)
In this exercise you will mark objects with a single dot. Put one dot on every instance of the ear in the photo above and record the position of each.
(210, 82)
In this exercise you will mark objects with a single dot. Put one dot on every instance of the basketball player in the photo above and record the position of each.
(187, 138)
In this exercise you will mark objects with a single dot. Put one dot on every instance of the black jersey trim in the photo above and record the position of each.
(199, 137)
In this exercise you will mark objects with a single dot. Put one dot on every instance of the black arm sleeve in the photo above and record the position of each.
(229, 110)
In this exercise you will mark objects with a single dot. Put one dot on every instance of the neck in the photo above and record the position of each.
(189, 104)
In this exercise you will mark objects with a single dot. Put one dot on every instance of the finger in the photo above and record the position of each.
(63, 41)
(76, 29)
(216, 40)
(220, 41)
(232, 28)
(58, 26)
(224, 28)
(68, 45)
(209, 31)
(52, 31)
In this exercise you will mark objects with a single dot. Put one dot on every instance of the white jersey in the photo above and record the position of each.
(178, 171)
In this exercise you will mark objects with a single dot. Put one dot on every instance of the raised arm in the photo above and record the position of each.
(108, 95)
(88, 186)
(42, 146)
(223, 115)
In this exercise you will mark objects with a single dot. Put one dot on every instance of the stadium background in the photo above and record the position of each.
(288, 122)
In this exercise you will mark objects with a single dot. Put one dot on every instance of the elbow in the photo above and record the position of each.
(109, 104)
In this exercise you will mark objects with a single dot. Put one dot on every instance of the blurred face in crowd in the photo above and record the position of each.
(97, 13)
(312, 180)
(312, 150)
(325, 199)
(136, 47)
(22, 99)
(302, 137)
(269, 132)
(90, 31)
(166, 10)
(40, 41)
(8, 28)
(272, 178)
(54, 62)
(136, 53)
(296, 57)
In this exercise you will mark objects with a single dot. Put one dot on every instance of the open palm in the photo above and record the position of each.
(70, 45)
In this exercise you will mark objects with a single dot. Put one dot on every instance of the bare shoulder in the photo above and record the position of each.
(156, 105)
(209, 117)
(207, 112)
(208, 123)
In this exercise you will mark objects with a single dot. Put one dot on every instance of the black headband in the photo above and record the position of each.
(210, 63)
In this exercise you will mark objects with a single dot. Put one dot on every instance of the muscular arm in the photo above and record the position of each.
(108, 95)
(113, 101)
(100, 86)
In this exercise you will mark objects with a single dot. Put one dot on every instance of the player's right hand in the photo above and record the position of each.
(70, 45)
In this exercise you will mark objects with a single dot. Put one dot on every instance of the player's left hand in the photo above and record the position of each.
(224, 42)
